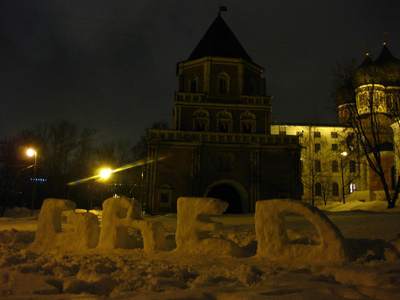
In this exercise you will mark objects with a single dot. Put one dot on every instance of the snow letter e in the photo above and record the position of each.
(273, 242)
(194, 226)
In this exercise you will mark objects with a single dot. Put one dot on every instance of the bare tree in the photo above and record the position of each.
(371, 118)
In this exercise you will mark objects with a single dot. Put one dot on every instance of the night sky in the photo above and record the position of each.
(110, 65)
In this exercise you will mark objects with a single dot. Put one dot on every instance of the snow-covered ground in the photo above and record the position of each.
(374, 272)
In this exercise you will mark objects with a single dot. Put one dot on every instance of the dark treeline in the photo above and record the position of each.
(65, 153)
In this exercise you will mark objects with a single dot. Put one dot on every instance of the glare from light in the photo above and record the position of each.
(344, 154)
(135, 164)
(105, 173)
(30, 152)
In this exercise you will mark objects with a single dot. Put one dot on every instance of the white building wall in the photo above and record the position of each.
(332, 142)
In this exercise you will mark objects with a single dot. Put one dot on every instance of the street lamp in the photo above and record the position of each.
(105, 173)
(342, 156)
(32, 153)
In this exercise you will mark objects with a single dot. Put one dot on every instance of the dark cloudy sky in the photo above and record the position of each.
(110, 65)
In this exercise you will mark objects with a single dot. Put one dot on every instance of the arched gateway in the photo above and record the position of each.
(232, 192)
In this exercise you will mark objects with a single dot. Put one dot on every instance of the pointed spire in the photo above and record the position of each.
(385, 55)
(367, 60)
(219, 41)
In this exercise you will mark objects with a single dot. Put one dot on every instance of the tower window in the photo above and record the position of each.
(194, 85)
(165, 196)
(223, 83)
(201, 120)
(224, 121)
(247, 122)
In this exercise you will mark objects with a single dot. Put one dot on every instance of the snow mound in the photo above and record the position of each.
(275, 245)
(356, 205)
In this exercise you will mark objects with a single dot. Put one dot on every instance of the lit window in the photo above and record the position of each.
(352, 187)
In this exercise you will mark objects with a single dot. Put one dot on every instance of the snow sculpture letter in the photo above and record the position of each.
(49, 224)
(85, 231)
(274, 244)
(194, 224)
(120, 214)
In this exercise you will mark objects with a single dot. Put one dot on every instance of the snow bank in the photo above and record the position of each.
(194, 226)
(273, 241)
(356, 205)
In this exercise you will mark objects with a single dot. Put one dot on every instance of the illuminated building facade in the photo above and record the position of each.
(220, 144)
(223, 144)
(332, 164)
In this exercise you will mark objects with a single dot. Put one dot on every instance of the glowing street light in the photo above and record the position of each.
(105, 173)
(31, 152)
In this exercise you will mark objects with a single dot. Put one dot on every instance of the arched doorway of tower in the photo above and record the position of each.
(232, 192)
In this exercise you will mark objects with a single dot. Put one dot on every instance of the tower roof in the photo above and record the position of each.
(386, 56)
(220, 41)
(385, 69)
(366, 62)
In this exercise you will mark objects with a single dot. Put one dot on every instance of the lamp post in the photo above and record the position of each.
(342, 156)
(32, 153)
